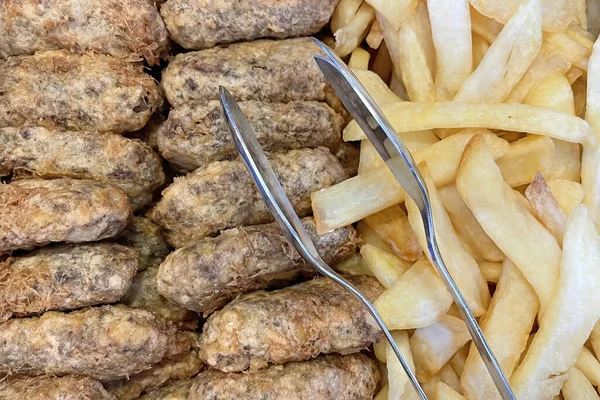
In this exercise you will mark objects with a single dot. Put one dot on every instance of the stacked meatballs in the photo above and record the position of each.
(139, 260)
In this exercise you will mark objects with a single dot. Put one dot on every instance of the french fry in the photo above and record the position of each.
(369, 159)
(359, 60)
(445, 392)
(589, 365)
(578, 387)
(368, 236)
(576, 51)
(353, 265)
(480, 47)
(383, 394)
(392, 226)
(568, 194)
(595, 338)
(491, 271)
(395, 11)
(570, 316)
(386, 267)
(343, 13)
(445, 375)
(506, 326)
(376, 87)
(507, 221)
(460, 262)
(546, 208)
(590, 162)
(380, 348)
(377, 189)
(451, 32)
(397, 86)
(460, 358)
(507, 59)
(418, 140)
(407, 117)
(467, 226)
(348, 37)
(525, 158)
(434, 345)
(416, 300)
(486, 27)
(375, 36)
(397, 378)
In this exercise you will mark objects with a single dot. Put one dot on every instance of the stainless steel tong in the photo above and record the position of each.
(398, 159)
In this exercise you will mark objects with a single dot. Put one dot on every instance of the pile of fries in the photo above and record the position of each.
(499, 103)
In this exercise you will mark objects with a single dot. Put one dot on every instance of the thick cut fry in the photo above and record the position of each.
(376, 87)
(506, 219)
(451, 32)
(407, 117)
(375, 36)
(590, 165)
(395, 11)
(506, 326)
(353, 265)
(570, 316)
(488, 28)
(393, 227)
(467, 226)
(546, 208)
(491, 271)
(418, 140)
(578, 387)
(369, 158)
(375, 190)
(568, 194)
(416, 300)
(359, 60)
(507, 59)
(459, 360)
(445, 392)
(589, 365)
(460, 262)
(526, 157)
(399, 385)
(386, 267)
(434, 345)
(367, 235)
(480, 47)
(571, 45)
(348, 37)
(343, 13)
(445, 375)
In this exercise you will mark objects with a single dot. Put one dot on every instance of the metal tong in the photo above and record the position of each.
(398, 159)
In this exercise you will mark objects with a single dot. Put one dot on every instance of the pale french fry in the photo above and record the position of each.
(343, 13)
(445, 375)
(460, 358)
(392, 226)
(383, 393)
(491, 271)
(379, 348)
(590, 163)
(348, 37)
(568, 194)
(507, 221)
(445, 392)
(369, 158)
(418, 140)
(397, 378)
(353, 265)
(507, 59)
(589, 365)
(480, 47)
(467, 226)
(506, 326)
(580, 12)
(595, 338)
(576, 51)
(573, 74)
(397, 86)
(525, 158)
(376, 87)
(453, 311)
(359, 60)
(546, 208)
(416, 300)
(434, 345)
(386, 267)
(486, 27)
(382, 65)
(377, 189)
(547, 62)
(451, 32)
(570, 316)
(460, 262)
(375, 36)
(578, 387)
(395, 11)
(407, 117)
(368, 236)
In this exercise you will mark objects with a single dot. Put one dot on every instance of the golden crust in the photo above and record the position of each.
(222, 195)
(35, 212)
(206, 275)
(90, 92)
(53, 388)
(107, 343)
(351, 377)
(65, 277)
(196, 134)
(265, 70)
(200, 24)
(291, 324)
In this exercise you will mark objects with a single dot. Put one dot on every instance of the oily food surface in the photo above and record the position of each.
(266, 70)
(129, 30)
(53, 388)
(89, 92)
(328, 377)
(291, 324)
(65, 277)
(196, 134)
(36, 212)
(108, 342)
(205, 275)
(197, 24)
(222, 195)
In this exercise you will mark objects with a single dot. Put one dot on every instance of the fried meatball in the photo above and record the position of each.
(222, 194)
(265, 70)
(291, 324)
(205, 275)
(89, 92)
(147, 239)
(53, 388)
